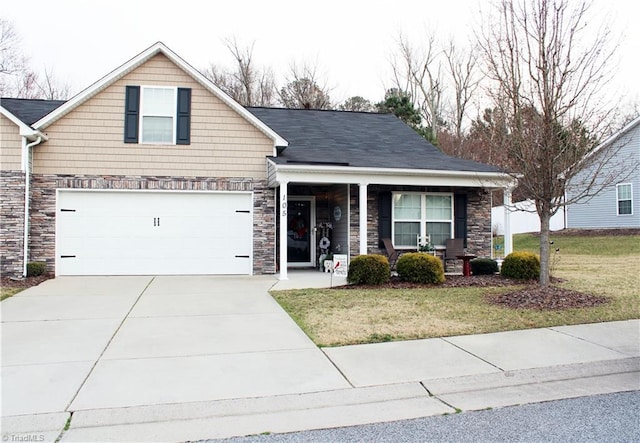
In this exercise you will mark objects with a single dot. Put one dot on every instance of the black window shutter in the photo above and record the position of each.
(131, 111)
(460, 217)
(183, 120)
(384, 217)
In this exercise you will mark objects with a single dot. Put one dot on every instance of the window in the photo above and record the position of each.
(417, 214)
(624, 196)
(157, 114)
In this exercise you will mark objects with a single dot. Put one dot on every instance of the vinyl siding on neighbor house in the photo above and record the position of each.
(602, 210)
(10, 145)
(90, 139)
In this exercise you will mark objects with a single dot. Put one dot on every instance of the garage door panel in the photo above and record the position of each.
(129, 233)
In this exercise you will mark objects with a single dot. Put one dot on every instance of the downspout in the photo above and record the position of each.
(27, 192)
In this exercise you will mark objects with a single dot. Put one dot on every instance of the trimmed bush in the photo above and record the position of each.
(371, 269)
(36, 268)
(483, 266)
(521, 265)
(418, 267)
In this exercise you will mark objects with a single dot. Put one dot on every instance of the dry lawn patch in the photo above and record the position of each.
(333, 317)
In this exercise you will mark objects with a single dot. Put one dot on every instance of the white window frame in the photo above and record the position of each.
(173, 115)
(423, 216)
(618, 200)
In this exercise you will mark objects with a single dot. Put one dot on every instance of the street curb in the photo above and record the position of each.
(353, 406)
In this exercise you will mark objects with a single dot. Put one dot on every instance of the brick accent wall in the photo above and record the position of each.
(11, 223)
(43, 196)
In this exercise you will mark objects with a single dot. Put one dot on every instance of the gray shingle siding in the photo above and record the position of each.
(601, 211)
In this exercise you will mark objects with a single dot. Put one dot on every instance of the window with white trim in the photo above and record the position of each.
(624, 197)
(421, 214)
(158, 114)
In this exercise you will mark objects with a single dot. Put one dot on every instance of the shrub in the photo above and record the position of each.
(36, 268)
(372, 269)
(483, 266)
(521, 265)
(418, 267)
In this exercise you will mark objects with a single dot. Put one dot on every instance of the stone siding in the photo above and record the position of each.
(43, 197)
(11, 223)
(479, 224)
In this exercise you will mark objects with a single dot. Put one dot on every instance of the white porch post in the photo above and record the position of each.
(363, 218)
(283, 229)
(508, 237)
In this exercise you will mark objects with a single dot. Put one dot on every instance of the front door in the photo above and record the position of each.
(301, 221)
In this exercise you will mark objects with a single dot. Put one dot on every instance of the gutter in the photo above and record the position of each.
(27, 193)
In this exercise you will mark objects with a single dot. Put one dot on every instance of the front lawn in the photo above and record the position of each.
(596, 265)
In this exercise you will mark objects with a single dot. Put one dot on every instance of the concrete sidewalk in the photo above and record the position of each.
(189, 358)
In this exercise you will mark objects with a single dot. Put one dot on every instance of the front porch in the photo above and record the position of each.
(352, 219)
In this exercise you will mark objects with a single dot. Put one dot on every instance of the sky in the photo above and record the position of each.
(350, 41)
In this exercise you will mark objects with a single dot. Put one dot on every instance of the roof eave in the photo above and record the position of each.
(353, 174)
(24, 129)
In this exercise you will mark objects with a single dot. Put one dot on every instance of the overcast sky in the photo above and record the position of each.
(351, 41)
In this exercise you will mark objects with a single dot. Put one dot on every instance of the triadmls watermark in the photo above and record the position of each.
(22, 437)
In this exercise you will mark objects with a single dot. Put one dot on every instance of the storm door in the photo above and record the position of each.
(301, 251)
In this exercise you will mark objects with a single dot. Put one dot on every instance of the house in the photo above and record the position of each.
(618, 204)
(154, 170)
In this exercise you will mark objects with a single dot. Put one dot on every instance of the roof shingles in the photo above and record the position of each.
(29, 111)
(357, 139)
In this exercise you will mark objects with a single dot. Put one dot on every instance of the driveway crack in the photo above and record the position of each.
(126, 316)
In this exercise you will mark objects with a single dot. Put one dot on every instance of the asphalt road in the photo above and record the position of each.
(602, 418)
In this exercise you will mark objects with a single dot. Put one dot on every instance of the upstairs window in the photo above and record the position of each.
(157, 115)
(624, 196)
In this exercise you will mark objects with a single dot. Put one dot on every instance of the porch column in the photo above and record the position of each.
(363, 218)
(283, 229)
(508, 237)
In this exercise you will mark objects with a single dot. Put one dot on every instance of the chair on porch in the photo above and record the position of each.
(454, 248)
(392, 253)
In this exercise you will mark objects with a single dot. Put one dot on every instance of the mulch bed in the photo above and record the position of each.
(530, 297)
(549, 298)
(7, 282)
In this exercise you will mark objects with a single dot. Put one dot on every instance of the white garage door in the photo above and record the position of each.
(153, 233)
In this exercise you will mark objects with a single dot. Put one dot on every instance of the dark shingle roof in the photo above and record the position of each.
(357, 139)
(29, 111)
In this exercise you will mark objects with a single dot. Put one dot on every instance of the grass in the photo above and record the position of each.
(598, 265)
(6, 292)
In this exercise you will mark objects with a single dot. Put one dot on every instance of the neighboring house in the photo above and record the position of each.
(617, 205)
(154, 170)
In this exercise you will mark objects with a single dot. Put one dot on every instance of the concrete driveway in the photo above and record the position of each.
(76, 343)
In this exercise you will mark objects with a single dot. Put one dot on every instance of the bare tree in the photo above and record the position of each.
(303, 90)
(548, 64)
(17, 79)
(50, 88)
(464, 76)
(419, 74)
(245, 83)
(12, 63)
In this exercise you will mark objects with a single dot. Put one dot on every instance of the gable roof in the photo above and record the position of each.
(357, 139)
(121, 71)
(30, 110)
